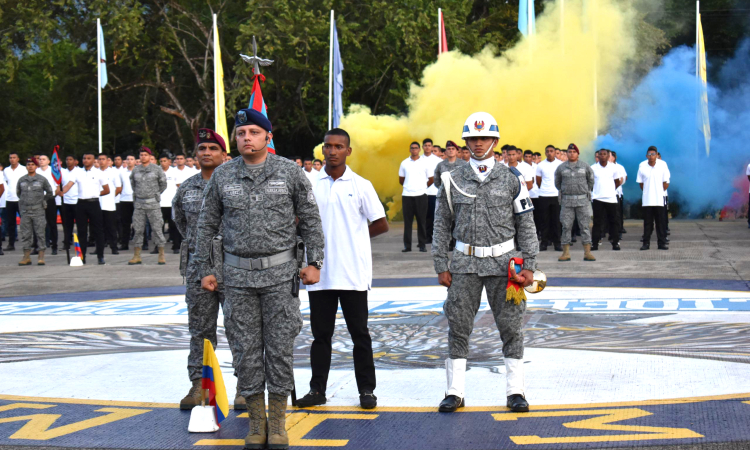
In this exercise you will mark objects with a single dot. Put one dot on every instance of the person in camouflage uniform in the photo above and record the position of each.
(33, 193)
(450, 163)
(257, 199)
(203, 306)
(490, 207)
(148, 182)
(574, 180)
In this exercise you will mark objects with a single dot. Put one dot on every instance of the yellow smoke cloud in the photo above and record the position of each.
(541, 92)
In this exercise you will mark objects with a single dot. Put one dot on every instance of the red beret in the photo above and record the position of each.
(573, 147)
(451, 143)
(147, 150)
(209, 135)
(33, 161)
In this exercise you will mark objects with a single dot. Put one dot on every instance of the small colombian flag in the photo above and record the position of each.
(77, 246)
(213, 381)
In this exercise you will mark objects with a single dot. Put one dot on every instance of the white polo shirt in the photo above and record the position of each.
(11, 181)
(526, 170)
(70, 197)
(346, 205)
(416, 174)
(90, 183)
(621, 173)
(53, 184)
(127, 189)
(171, 190)
(653, 179)
(546, 170)
(433, 161)
(109, 201)
(313, 176)
(604, 183)
(534, 192)
(182, 174)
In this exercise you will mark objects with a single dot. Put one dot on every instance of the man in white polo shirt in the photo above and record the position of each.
(547, 203)
(12, 174)
(108, 202)
(428, 149)
(351, 214)
(125, 207)
(623, 174)
(69, 199)
(653, 177)
(415, 176)
(604, 196)
(166, 203)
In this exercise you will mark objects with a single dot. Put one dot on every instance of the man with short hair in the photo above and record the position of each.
(107, 203)
(12, 174)
(69, 199)
(623, 174)
(189, 161)
(449, 164)
(91, 184)
(311, 174)
(125, 207)
(653, 178)
(548, 202)
(432, 161)
(53, 204)
(604, 196)
(34, 193)
(465, 153)
(148, 181)
(317, 165)
(165, 161)
(574, 179)
(297, 160)
(537, 158)
(416, 175)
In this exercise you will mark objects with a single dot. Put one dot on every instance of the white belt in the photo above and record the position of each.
(486, 252)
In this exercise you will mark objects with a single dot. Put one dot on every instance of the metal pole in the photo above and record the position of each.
(99, 81)
(330, 77)
(216, 78)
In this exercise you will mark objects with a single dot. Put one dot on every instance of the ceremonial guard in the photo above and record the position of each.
(34, 191)
(574, 179)
(148, 182)
(491, 208)
(203, 305)
(256, 201)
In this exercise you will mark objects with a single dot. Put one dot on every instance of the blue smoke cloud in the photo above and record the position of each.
(661, 111)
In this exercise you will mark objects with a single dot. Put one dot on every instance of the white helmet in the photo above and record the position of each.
(481, 124)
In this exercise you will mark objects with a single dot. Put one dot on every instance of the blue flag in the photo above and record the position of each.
(338, 80)
(102, 57)
(526, 7)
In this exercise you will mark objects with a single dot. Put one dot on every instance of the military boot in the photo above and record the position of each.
(136, 257)
(26, 261)
(40, 259)
(587, 256)
(161, 260)
(193, 397)
(239, 401)
(566, 253)
(277, 437)
(257, 436)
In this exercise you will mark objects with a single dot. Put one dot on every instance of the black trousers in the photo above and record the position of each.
(537, 216)
(11, 209)
(666, 212)
(430, 217)
(68, 213)
(110, 228)
(605, 214)
(174, 235)
(549, 219)
(323, 308)
(125, 212)
(653, 214)
(621, 212)
(50, 215)
(89, 215)
(415, 207)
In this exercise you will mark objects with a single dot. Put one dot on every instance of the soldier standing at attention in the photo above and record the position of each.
(491, 208)
(256, 199)
(34, 192)
(450, 163)
(203, 305)
(148, 182)
(575, 180)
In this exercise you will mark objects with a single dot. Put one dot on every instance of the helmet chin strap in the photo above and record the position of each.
(479, 158)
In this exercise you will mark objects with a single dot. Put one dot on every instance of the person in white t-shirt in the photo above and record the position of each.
(529, 159)
(548, 202)
(432, 161)
(415, 176)
(653, 178)
(623, 175)
(351, 214)
(69, 199)
(107, 202)
(12, 174)
(166, 203)
(604, 196)
(311, 174)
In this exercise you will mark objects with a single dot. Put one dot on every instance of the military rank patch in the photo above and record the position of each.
(192, 196)
(233, 190)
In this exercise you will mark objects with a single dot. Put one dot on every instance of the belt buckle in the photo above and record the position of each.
(479, 252)
(468, 250)
(256, 264)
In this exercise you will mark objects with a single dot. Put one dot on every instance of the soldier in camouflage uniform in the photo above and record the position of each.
(450, 163)
(574, 180)
(203, 306)
(33, 193)
(491, 208)
(256, 199)
(148, 182)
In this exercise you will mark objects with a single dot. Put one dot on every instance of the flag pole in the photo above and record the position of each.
(697, 72)
(216, 82)
(99, 81)
(330, 76)
(440, 34)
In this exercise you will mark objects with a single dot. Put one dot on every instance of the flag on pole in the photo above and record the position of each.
(704, 125)
(102, 58)
(77, 246)
(259, 104)
(220, 113)
(526, 17)
(56, 166)
(338, 80)
(214, 383)
(443, 43)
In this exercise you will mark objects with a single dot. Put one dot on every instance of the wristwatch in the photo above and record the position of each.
(317, 264)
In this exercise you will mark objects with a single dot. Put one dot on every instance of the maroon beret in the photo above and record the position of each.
(573, 147)
(209, 135)
(147, 150)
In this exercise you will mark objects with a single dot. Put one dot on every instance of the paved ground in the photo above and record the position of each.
(709, 250)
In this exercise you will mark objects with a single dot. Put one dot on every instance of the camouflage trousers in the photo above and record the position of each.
(464, 298)
(139, 225)
(33, 222)
(203, 312)
(266, 321)
(568, 214)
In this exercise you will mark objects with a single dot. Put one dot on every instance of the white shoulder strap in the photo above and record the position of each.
(447, 181)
